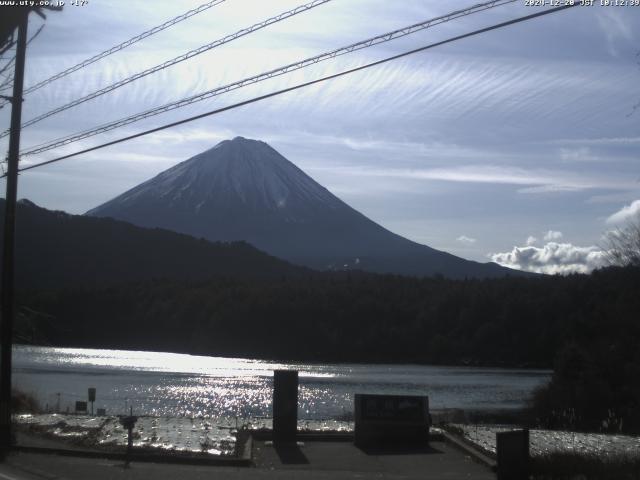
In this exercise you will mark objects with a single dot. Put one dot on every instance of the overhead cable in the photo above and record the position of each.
(385, 37)
(301, 85)
(33, 37)
(7, 82)
(11, 44)
(178, 59)
(123, 45)
(7, 65)
(8, 44)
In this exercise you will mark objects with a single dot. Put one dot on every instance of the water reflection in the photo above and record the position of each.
(167, 384)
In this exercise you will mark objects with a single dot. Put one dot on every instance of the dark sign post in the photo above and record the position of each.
(92, 397)
(285, 405)
(512, 450)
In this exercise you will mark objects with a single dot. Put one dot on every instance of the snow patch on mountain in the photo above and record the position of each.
(238, 170)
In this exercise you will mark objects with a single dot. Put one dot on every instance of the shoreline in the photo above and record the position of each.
(316, 361)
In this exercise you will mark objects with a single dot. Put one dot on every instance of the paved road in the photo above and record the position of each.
(312, 460)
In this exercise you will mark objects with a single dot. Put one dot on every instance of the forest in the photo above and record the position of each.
(347, 317)
(586, 326)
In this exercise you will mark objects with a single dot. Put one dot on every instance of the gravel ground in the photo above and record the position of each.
(543, 442)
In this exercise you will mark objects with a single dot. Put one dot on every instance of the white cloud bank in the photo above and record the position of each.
(552, 258)
(625, 214)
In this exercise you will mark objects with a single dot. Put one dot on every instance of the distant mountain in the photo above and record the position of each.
(245, 190)
(55, 249)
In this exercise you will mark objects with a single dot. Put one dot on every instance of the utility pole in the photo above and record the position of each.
(8, 300)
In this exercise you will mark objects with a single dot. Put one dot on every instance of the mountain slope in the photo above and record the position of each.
(245, 190)
(55, 249)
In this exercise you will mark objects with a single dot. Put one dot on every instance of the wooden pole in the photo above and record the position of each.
(8, 254)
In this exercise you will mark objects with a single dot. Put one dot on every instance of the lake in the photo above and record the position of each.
(172, 385)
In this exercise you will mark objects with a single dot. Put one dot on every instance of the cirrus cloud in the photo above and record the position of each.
(465, 239)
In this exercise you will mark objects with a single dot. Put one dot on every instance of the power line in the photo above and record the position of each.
(6, 83)
(10, 43)
(178, 59)
(385, 37)
(302, 85)
(123, 45)
(33, 37)
(8, 64)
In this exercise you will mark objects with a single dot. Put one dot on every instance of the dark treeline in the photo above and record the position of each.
(351, 317)
(586, 326)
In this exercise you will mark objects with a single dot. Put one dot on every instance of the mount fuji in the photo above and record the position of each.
(245, 190)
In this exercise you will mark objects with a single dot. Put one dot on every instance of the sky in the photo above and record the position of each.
(519, 146)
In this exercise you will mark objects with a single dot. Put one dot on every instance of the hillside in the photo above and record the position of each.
(55, 249)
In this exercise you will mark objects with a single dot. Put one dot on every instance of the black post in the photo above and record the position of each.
(129, 445)
(8, 300)
(285, 405)
(92, 397)
(512, 451)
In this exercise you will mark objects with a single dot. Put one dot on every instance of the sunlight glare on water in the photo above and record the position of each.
(169, 384)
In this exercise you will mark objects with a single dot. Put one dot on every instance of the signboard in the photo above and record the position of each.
(92, 394)
(81, 406)
(386, 407)
(397, 419)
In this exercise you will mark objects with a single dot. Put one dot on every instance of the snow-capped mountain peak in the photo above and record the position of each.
(240, 170)
(243, 189)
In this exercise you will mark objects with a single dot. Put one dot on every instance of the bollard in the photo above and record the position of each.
(512, 450)
(128, 423)
(285, 405)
